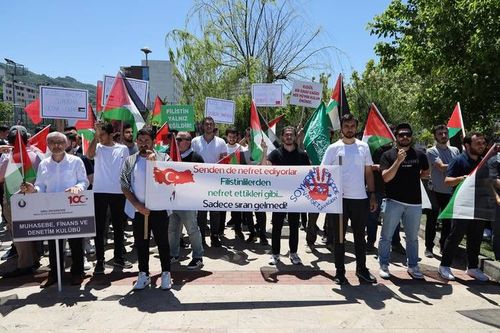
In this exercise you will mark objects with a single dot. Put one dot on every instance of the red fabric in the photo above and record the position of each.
(39, 140)
(33, 111)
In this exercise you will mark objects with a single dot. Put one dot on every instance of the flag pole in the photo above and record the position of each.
(146, 227)
(19, 142)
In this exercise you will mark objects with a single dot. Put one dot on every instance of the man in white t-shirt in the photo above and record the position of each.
(108, 159)
(356, 170)
(212, 149)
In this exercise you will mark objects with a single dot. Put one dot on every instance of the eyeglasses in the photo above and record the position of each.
(403, 134)
(182, 139)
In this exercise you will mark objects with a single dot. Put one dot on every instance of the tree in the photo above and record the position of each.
(452, 47)
(235, 43)
(6, 112)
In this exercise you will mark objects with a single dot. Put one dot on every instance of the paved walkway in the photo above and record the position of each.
(237, 291)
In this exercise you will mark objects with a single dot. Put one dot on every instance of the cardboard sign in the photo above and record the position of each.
(222, 110)
(267, 94)
(41, 216)
(306, 94)
(63, 103)
(179, 117)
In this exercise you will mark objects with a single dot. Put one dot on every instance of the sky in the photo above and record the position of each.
(88, 39)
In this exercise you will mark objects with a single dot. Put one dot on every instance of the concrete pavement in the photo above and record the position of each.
(237, 291)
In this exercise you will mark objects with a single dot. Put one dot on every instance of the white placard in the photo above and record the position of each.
(222, 110)
(140, 87)
(63, 103)
(267, 94)
(40, 216)
(231, 187)
(306, 94)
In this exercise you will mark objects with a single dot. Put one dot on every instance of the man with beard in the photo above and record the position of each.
(49, 180)
(128, 139)
(356, 170)
(439, 157)
(402, 167)
(212, 149)
(287, 154)
(133, 184)
(459, 168)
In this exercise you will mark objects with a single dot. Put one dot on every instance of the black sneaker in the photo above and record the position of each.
(122, 264)
(10, 254)
(196, 263)
(239, 234)
(340, 279)
(365, 275)
(99, 268)
(252, 238)
(215, 241)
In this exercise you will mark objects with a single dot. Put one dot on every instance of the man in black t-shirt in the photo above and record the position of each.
(402, 167)
(287, 154)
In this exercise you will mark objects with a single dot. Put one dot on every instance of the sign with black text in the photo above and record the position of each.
(63, 103)
(41, 216)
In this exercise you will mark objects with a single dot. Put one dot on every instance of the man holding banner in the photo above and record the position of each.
(287, 154)
(212, 149)
(356, 165)
(133, 184)
(61, 172)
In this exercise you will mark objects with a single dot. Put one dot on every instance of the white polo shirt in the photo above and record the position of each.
(210, 151)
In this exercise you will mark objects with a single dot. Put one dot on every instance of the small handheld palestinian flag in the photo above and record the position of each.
(161, 139)
(233, 158)
(39, 140)
(377, 133)
(256, 135)
(19, 168)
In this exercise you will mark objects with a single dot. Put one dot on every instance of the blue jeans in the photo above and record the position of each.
(372, 223)
(410, 217)
(186, 218)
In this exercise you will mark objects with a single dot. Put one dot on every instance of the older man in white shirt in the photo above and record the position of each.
(61, 172)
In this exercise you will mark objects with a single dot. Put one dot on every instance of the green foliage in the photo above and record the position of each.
(6, 113)
(450, 48)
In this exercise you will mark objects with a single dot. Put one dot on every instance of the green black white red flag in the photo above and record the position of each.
(377, 133)
(474, 198)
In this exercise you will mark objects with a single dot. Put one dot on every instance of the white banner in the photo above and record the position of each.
(230, 187)
(306, 94)
(40, 216)
(221, 110)
(63, 103)
(267, 94)
(139, 86)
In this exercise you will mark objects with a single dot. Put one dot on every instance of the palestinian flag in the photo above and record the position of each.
(256, 135)
(174, 153)
(85, 128)
(377, 133)
(98, 96)
(233, 158)
(33, 111)
(39, 140)
(317, 134)
(338, 105)
(161, 138)
(157, 117)
(271, 128)
(19, 168)
(120, 106)
(456, 128)
(474, 198)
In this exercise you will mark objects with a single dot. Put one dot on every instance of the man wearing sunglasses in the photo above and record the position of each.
(186, 218)
(402, 167)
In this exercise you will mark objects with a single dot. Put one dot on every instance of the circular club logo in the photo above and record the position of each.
(21, 203)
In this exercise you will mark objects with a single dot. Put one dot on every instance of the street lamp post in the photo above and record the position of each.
(146, 51)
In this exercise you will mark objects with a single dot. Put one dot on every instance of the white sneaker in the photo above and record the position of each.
(166, 281)
(274, 260)
(445, 273)
(415, 273)
(295, 259)
(477, 274)
(86, 264)
(384, 272)
(142, 281)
